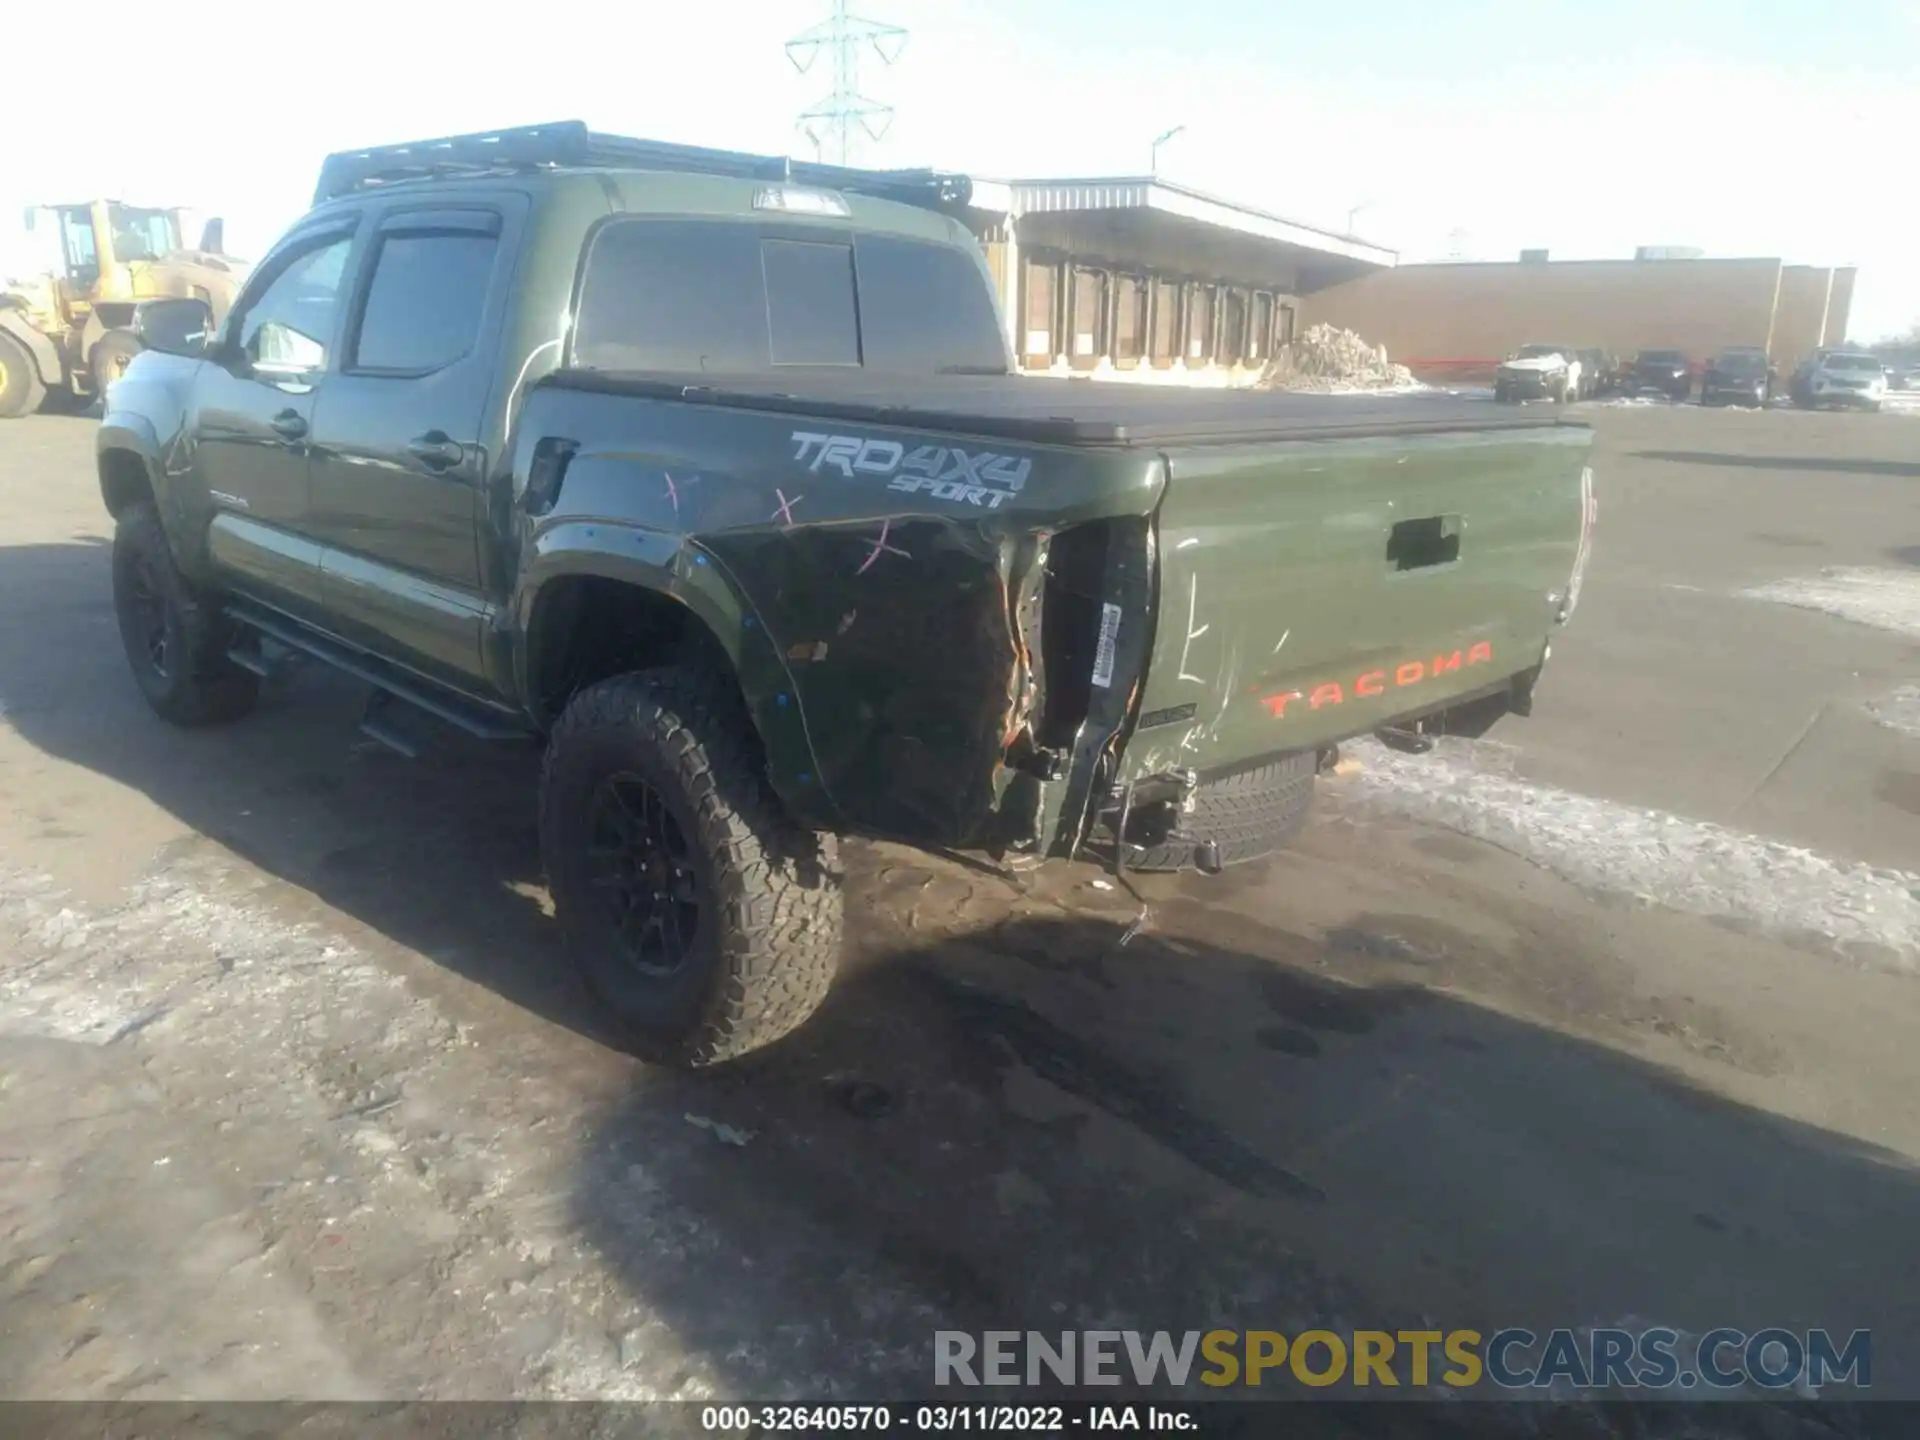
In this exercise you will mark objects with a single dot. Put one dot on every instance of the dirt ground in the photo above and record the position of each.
(1609, 1020)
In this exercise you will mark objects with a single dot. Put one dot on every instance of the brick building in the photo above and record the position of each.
(1136, 274)
(1464, 317)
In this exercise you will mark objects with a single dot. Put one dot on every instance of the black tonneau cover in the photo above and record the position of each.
(1047, 410)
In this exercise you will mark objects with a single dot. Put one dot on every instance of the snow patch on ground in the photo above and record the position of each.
(1898, 711)
(1887, 599)
(280, 1027)
(1688, 865)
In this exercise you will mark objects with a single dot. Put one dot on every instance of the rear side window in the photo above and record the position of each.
(673, 295)
(728, 297)
(424, 305)
(924, 308)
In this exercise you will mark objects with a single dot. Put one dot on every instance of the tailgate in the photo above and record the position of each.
(1313, 590)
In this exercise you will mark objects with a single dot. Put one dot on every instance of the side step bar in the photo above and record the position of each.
(389, 682)
(376, 725)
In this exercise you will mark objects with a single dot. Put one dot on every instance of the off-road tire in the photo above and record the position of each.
(20, 389)
(1250, 815)
(109, 359)
(1501, 394)
(198, 685)
(767, 941)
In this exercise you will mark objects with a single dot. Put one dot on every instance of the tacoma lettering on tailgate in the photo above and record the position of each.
(1378, 682)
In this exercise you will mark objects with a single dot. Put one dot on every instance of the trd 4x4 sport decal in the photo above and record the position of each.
(946, 472)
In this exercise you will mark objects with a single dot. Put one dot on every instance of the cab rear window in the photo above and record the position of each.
(733, 297)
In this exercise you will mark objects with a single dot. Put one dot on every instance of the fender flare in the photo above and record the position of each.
(44, 353)
(125, 433)
(679, 572)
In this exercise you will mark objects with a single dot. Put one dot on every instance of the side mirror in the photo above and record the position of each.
(179, 326)
(213, 236)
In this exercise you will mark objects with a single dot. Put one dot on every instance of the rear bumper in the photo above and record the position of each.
(1169, 811)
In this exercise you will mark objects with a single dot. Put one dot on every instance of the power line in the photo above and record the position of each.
(830, 124)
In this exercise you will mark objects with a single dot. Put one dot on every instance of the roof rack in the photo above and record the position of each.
(568, 143)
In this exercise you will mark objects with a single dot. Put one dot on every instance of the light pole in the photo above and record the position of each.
(1162, 138)
(1354, 213)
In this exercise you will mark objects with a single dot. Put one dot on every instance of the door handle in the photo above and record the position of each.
(436, 451)
(289, 425)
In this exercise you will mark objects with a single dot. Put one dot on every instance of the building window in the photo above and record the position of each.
(1130, 319)
(1039, 298)
(1233, 327)
(1261, 332)
(1089, 329)
(1163, 329)
(1201, 305)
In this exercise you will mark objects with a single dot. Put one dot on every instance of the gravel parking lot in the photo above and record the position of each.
(1607, 1019)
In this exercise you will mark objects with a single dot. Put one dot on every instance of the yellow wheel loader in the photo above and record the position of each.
(67, 333)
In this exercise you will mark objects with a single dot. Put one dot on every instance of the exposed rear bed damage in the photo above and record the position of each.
(985, 634)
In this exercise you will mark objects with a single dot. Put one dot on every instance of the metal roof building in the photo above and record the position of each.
(1137, 273)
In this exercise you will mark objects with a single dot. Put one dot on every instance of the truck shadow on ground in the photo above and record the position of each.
(441, 855)
(1031, 1128)
(1024, 1125)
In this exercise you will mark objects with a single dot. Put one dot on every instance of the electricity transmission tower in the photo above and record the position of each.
(830, 124)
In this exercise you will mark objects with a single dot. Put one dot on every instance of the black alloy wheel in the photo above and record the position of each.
(640, 862)
(147, 606)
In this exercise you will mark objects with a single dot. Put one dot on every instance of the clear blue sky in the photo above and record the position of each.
(1784, 128)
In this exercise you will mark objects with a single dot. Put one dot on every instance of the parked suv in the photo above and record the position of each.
(710, 473)
(1665, 372)
(1535, 372)
(1847, 379)
(1737, 377)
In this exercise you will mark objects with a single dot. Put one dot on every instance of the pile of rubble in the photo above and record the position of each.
(1328, 359)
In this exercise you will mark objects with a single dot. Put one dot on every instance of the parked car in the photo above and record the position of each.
(1665, 372)
(613, 446)
(1903, 374)
(1848, 379)
(1539, 372)
(1737, 377)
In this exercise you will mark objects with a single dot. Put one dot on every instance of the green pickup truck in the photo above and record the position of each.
(711, 474)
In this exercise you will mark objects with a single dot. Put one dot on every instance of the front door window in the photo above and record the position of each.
(286, 332)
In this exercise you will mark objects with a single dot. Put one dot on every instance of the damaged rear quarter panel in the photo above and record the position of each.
(869, 582)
